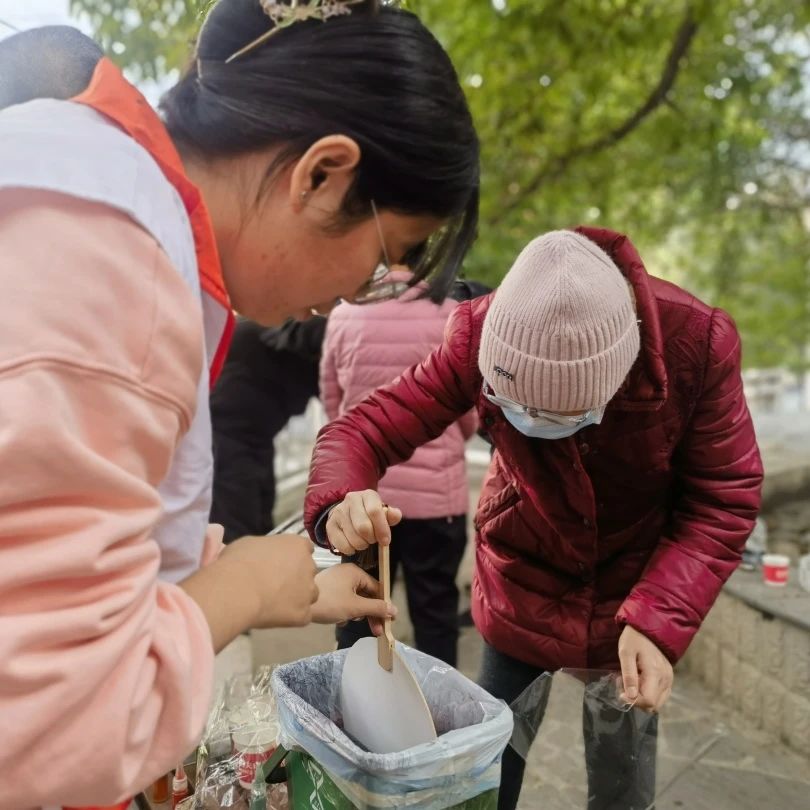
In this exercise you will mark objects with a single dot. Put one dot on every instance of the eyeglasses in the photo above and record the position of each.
(377, 289)
(549, 417)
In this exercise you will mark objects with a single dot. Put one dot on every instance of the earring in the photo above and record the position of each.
(304, 194)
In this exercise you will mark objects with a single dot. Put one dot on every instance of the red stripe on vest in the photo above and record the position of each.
(110, 94)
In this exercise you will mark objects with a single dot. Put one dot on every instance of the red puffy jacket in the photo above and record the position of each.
(639, 520)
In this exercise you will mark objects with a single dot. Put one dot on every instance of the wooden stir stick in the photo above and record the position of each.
(385, 642)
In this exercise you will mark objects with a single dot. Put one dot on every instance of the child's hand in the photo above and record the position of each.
(346, 593)
(361, 520)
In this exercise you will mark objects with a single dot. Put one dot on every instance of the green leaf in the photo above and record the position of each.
(564, 98)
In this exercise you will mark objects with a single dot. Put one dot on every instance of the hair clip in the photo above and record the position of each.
(284, 15)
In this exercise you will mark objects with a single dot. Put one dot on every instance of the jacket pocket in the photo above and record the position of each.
(496, 505)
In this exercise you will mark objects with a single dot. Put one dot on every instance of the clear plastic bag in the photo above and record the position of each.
(600, 692)
(464, 762)
(241, 730)
(617, 756)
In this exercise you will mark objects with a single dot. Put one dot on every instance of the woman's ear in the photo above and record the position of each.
(324, 173)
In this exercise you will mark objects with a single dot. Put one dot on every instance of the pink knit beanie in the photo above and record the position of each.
(561, 332)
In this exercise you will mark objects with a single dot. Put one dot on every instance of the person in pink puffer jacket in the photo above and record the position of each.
(365, 348)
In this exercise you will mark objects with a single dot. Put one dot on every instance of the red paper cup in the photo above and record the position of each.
(254, 745)
(775, 569)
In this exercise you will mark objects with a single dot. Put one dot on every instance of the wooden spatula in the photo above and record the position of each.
(385, 642)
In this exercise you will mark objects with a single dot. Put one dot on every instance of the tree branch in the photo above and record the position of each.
(558, 165)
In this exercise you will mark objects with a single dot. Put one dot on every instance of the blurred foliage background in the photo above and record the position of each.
(685, 124)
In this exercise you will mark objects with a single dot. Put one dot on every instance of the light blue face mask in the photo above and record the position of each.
(538, 428)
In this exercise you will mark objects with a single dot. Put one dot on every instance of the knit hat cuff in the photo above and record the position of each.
(558, 385)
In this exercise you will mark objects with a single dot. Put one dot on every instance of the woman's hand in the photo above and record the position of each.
(346, 593)
(360, 521)
(256, 582)
(646, 673)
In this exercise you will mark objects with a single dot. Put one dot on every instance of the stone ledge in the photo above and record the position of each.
(753, 652)
(785, 481)
(791, 604)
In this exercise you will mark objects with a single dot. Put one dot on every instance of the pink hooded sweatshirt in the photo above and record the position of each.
(106, 668)
(105, 672)
(367, 347)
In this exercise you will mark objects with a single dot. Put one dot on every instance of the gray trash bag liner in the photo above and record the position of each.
(465, 761)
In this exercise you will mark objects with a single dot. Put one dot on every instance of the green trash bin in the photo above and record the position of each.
(311, 788)
(326, 769)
